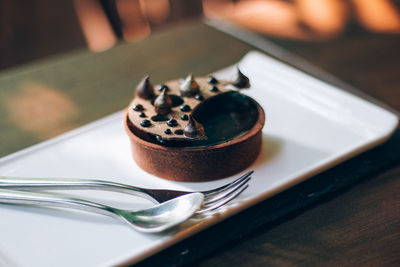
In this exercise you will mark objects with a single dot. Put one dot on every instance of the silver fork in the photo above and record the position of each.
(213, 198)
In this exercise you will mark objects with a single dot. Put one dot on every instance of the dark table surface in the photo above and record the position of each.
(356, 226)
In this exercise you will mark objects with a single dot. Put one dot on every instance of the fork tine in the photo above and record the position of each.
(223, 194)
(227, 186)
(222, 202)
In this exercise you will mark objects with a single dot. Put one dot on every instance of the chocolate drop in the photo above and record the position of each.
(185, 108)
(199, 97)
(145, 123)
(145, 89)
(162, 86)
(189, 87)
(168, 131)
(179, 132)
(214, 89)
(142, 115)
(194, 129)
(163, 103)
(137, 107)
(159, 118)
(172, 123)
(184, 117)
(212, 80)
(241, 80)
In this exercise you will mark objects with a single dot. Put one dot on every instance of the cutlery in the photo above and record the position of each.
(213, 198)
(152, 220)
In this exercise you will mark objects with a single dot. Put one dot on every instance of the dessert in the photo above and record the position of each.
(194, 129)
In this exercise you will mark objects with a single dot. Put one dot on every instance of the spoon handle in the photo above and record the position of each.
(52, 200)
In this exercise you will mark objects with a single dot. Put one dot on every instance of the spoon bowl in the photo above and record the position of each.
(166, 215)
(152, 220)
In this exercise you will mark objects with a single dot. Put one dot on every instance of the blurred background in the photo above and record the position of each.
(339, 36)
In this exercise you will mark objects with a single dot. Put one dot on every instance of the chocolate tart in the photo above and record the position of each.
(194, 129)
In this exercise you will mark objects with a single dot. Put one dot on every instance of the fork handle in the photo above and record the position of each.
(52, 200)
(74, 184)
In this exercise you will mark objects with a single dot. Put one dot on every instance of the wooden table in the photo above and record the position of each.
(356, 226)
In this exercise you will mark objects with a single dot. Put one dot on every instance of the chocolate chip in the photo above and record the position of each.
(185, 108)
(241, 80)
(142, 115)
(184, 117)
(145, 89)
(189, 87)
(212, 80)
(168, 131)
(214, 89)
(145, 123)
(179, 132)
(199, 97)
(172, 123)
(163, 103)
(137, 107)
(162, 87)
(194, 129)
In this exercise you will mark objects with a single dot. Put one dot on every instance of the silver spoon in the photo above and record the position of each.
(152, 220)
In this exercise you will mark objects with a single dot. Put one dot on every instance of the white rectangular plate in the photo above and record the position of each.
(310, 126)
